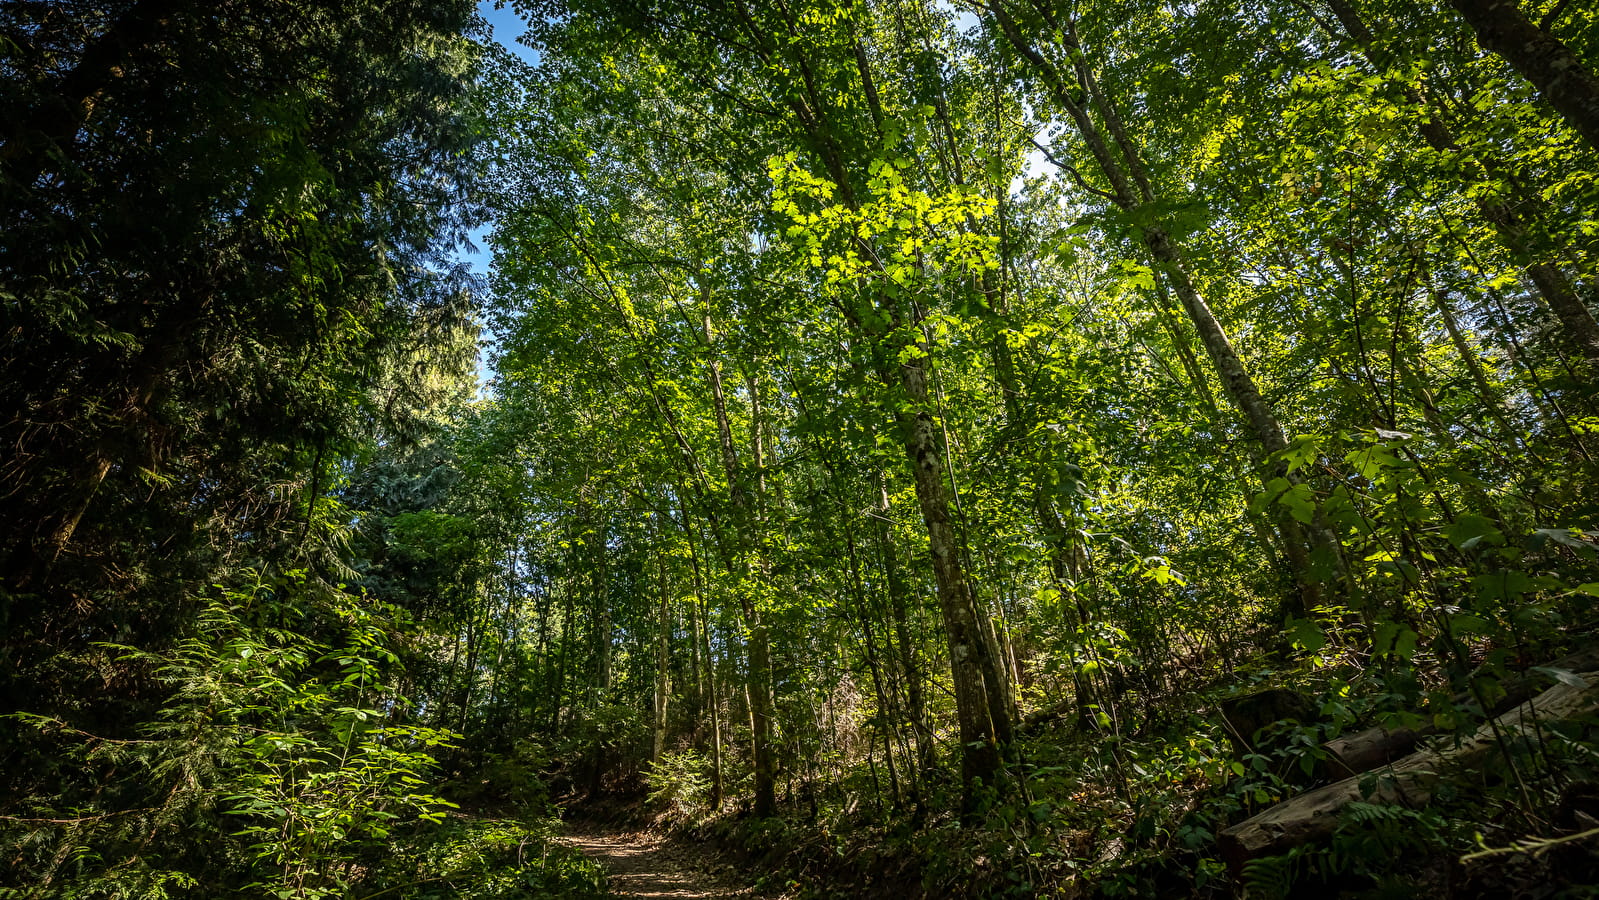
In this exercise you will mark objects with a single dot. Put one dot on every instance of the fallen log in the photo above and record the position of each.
(1362, 751)
(1410, 781)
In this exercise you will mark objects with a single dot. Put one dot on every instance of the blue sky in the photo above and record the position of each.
(507, 26)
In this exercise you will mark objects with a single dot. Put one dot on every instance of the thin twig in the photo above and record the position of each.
(79, 820)
(1529, 846)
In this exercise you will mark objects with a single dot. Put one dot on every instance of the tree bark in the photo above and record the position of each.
(1564, 81)
(760, 653)
(984, 721)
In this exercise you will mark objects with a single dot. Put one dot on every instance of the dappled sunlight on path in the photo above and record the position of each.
(641, 865)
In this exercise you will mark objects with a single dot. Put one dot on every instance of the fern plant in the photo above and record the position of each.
(273, 765)
(1273, 877)
(680, 782)
(325, 767)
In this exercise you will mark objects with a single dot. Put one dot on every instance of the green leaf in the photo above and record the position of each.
(1468, 531)
(1467, 624)
(1301, 502)
(1306, 635)
(1572, 539)
(1394, 639)
(1504, 586)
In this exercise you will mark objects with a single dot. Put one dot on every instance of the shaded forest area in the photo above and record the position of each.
(1082, 448)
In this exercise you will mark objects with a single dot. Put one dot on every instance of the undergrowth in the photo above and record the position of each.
(1096, 814)
(279, 765)
(488, 859)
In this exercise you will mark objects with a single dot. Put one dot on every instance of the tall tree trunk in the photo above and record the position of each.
(985, 725)
(1565, 81)
(61, 535)
(985, 722)
(711, 697)
(888, 712)
(1065, 565)
(717, 790)
(698, 673)
(545, 614)
(1131, 189)
(559, 694)
(601, 599)
(600, 687)
(1492, 400)
(469, 672)
(1579, 329)
(899, 613)
(1185, 348)
(509, 633)
(663, 684)
(760, 637)
(760, 654)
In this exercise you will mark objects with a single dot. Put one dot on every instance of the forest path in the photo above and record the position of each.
(641, 864)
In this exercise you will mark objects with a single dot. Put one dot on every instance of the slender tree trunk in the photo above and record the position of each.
(716, 720)
(763, 709)
(694, 631)
(888, 713)
(1185, 348)
(898, 603)
(1132, 188)
(601, 600)
(61, 535)
(508, 635)
(544, 595)
(1066, 568)
(663, 684)
(985, 723)
(1241, 389)
(559, 694)
(1492, 400)
(469, 674)
(711, 697)
(759, 651)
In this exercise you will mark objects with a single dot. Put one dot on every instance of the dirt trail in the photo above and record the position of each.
(642, 865)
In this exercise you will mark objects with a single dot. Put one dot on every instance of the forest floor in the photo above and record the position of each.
(645, 864)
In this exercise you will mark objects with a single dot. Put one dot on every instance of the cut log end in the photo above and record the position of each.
(1314, 815)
